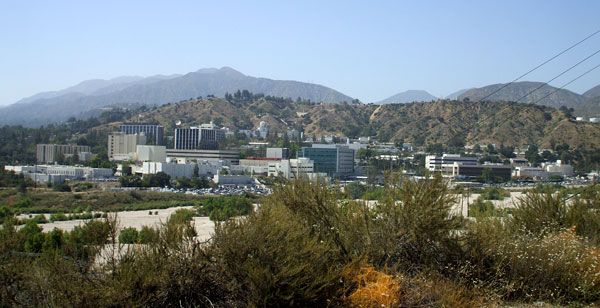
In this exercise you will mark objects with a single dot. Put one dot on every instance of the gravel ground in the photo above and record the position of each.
(136, 219)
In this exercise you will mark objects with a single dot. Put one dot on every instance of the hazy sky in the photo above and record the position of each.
(366, 49)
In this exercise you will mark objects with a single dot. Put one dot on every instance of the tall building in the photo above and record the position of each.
(334, 160)
(123, 146)
(155, 133)
(50, 153)
(205, 137)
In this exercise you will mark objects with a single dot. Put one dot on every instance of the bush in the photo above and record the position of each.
(494, 193)
(58, 217)
(182, 216)
(39, 219)
(128, 236)
(148, 235)
(304, 271)
(558, 267)
(224, 207)
(482, 208)
(64, 187)
(414, 227)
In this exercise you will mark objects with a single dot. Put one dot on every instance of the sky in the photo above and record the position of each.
(368, 50)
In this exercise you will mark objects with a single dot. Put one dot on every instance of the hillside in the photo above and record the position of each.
(409, 97)
(455, 95)
(593, 92)
(515, 91)
(47, 108)
(453, 122)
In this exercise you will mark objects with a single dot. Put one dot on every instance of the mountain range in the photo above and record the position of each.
(88, 98)
(92, 95)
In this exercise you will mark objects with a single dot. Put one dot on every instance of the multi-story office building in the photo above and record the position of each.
(123, 146)
(50, 153)
(155, 133)
(205, 137)
(446, 162)
(334, 160)
(230, 157)
(292, 169)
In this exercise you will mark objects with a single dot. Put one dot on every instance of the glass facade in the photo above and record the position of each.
(154, 133)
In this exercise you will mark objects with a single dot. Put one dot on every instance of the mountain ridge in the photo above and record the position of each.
(525, 92)
(202, 82)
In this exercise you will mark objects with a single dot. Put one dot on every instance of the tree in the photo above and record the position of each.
(34, 238)
(532, 155)
(130, 181)
(159, 179)
(508, 152)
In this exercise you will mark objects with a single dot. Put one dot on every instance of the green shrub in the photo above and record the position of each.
(494, 193)
(304, 271)
(224, 207)
(58, 217)
(482, 208)
(182, 216)
(148, 235)
(40, 219)
(128, 236)
(414, 228)
(64, 187)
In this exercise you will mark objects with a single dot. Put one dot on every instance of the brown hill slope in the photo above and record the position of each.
(446, 122)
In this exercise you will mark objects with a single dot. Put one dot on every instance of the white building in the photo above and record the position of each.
(60, 173)
(263, 129)
(172, 169)
(558, 168)
(123, 146)
(292, 168)
(233, 180)
(530, 172)
(281, 153)
(151, 153)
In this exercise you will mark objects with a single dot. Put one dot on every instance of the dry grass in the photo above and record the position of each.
(374, 288)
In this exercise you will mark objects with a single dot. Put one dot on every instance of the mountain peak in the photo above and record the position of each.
(409, 96)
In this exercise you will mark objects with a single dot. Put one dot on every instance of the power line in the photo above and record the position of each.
(555, 77)
(568, 83)
(478, 123)
(540, 65)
